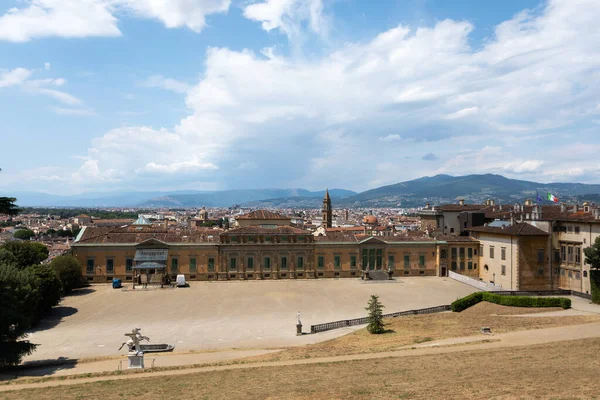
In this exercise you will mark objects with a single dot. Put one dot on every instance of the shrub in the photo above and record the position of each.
(68, 270)
(510, 301)
(49, 288)
(595, 285)
(467, 301)
(24, 234)
(27, 253)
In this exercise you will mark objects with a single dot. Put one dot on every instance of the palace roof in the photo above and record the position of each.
(261, 215)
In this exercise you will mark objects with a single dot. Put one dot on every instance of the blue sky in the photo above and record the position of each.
(104, 95)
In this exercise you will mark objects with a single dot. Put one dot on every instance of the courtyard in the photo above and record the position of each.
(223, 315)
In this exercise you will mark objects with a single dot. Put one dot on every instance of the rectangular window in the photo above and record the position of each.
(491, 251)
(481, 249)
(503, 253)
(352, 262)
(110, 265)
(128, 264)
(570, 254)
(563, 253)
(174, 265)
(89, 266)
(470, 265)
(577, 255)
(233, 239)
(283, 239)
(562, 272)
(540, 256)
(337, 264)
(406, 261)
(268, 239)
(475, 251)
(267, 263)
(250, 263)
(193, 264)
(211, 264)
(422, 261)
(469, 252)
(300, 264)
(453, 266)
(233, 263)
(577, 275)
(443, 254)
(283, 262)
(475, 266)
(570, 274)
(391, 263)
(577, 229)
(504, 270)
(569, 228)
(379, 258)
(321, 262)
(453, 252)
(461, 252)
(250, 239)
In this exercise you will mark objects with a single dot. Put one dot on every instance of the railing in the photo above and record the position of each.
(556, 292)
(364, 320)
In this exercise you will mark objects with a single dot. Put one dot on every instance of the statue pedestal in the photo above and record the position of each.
(136, 360)
(298, 329)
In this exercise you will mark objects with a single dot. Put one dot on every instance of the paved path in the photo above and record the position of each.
(224, 315)
(512, 339)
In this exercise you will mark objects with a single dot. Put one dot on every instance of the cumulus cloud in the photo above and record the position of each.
(289, 16)
(83, 18)
(14, 77)
(326, 118)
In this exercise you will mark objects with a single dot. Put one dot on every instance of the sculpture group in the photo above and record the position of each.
(135, 337)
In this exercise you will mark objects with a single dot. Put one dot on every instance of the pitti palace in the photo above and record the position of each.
(514, 247)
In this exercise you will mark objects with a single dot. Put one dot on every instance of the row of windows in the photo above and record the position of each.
(540, 254)
(570, 254)
(571, 273)
(266, 239)
(266, 263)
(110, 265)
(470, 265)
(460, 251)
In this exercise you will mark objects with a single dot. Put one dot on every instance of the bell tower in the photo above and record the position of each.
(326, 210)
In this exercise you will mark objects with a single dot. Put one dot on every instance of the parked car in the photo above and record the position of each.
(181, 281)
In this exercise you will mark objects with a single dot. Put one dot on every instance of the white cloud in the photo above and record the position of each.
(47, 66)
(308, 121)
(83, 18)
(60, 96)
(177, 167)
(14, 77)
(172, 85)
(83, 112)
(288, 15)
(465, 112)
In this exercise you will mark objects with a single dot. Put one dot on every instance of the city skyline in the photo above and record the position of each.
(213, 95)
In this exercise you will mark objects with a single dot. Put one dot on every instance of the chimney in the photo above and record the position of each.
(563, 207)
(575, 208)
(512, 219)
(520, 218)
(596, 212)
(500, 207)
(427, 206)
(528, 202)
(492, 202)
(461, 202)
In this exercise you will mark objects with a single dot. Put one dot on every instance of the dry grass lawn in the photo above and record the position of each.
(406, 331)
(562, 370)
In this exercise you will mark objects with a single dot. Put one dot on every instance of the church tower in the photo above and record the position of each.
(326, 210)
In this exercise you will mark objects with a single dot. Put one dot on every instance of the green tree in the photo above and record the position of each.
(18, 299)
(7, 258)
(27, 253)
(49, 288)
(69, 272)
(8, 206)
(375, 317)
(24, 234)
(592, 257)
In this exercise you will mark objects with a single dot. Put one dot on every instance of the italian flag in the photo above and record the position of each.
(552, 197)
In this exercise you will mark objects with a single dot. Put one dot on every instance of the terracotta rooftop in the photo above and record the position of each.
(258, 230)
(262, 214)
(107, 235)
(519, 229)
(455, 238)
(465, 207)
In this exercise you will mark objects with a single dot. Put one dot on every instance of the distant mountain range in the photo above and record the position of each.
(438, 189)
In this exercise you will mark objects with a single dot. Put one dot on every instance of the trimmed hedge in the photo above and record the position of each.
(511, 301)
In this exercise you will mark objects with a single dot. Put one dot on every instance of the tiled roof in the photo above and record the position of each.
(262, 214)
(258, 230)
(519, 229)
(336, 237)
(455, 238)
(458, 207)
(130, 234)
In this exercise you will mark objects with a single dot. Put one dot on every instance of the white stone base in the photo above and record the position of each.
(136, 361)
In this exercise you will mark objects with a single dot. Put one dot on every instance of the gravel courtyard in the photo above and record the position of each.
(219, 315)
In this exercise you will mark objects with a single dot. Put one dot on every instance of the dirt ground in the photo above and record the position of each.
(223, 315)
(561, 370)
(412, 330)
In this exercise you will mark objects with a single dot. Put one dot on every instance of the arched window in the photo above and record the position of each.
(486, 267)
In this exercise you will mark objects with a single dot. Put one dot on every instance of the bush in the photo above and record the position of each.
(68, 270)
(595, 285)
(49, 288)
(24, 234)
(27, 253)
(511, 301)
(19, 298)
(467, 301)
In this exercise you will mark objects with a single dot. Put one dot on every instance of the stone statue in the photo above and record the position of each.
(298, 318)
(134, 341)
